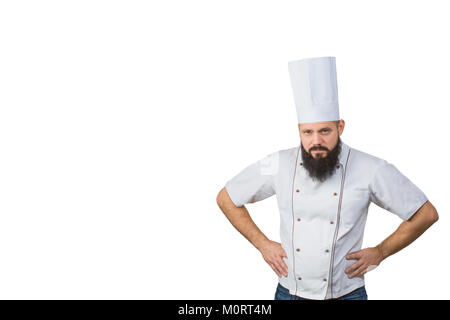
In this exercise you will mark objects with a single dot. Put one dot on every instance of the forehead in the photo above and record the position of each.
(316, 125)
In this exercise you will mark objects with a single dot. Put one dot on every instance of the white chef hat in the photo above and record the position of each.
(315, 89)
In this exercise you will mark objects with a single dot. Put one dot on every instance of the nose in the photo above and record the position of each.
(317, 139)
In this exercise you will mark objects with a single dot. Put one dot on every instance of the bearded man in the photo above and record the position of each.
(324, 189)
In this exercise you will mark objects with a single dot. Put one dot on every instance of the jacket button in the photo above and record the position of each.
(297, 190)
(327, 250)
(298, 219)
(334, 194)
(298, 249)
(301, 163)
(338, 166)
(299, 278)
(331, 222)
(324, 279)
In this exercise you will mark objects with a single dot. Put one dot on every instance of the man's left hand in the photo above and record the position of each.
(366, 260)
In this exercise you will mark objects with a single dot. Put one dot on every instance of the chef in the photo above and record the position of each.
(324, 188)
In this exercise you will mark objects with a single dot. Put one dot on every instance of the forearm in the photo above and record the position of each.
(409, 230)
(241, 220)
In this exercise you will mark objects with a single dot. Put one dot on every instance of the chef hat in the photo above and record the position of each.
(315, 89)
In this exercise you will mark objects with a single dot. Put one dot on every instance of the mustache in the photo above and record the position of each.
(318, 148)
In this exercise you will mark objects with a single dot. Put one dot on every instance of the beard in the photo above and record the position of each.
(322, 167)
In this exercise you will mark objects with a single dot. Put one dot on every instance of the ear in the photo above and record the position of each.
(341, 126)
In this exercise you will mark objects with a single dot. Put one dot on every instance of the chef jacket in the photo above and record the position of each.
(322, 222)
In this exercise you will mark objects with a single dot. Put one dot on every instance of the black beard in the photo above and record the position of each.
(321, 168)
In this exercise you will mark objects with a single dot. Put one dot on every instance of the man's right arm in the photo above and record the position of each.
(239, 217)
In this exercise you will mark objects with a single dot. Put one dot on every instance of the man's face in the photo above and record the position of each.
(319, 138)
(320, 146)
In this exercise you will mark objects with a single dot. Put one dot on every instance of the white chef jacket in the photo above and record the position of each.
(321, 222)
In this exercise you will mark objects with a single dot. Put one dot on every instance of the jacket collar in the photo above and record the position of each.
(343, 154)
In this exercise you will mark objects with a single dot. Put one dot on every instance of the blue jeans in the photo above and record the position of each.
(283, 294)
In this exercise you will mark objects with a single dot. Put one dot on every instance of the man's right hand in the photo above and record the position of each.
(273, 254)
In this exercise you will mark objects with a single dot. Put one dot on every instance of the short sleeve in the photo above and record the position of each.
(255, 182)
(391, 190)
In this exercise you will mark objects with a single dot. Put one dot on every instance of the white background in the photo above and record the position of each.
(120, 121)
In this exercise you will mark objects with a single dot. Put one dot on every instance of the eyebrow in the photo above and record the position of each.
(321, 129)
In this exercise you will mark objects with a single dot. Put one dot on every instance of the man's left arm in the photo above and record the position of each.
(407, 232)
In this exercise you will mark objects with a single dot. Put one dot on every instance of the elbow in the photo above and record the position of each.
(223, 199)
(219, 198)
(427, 213)
(433, 214)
